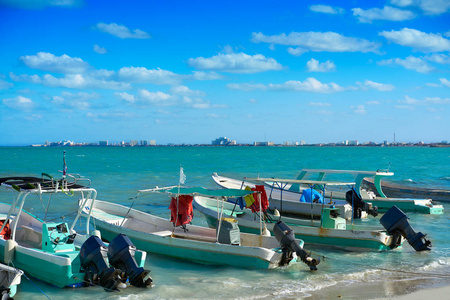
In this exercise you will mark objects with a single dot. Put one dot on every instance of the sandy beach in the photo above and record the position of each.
(433, 293)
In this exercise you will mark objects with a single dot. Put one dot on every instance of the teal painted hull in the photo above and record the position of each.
(48, 271)
(320, 240)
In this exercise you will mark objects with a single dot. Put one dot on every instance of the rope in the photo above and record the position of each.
(37, 287)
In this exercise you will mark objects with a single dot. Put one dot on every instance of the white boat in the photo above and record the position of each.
(377, 198)
(286, 201)
(194, 243)
(52, 251)
(10, 278)
(330, 230)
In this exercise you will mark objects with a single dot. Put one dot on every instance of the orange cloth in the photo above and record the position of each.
(264, 200)
(185, 210)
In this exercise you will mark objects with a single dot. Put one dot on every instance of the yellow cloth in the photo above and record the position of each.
(249, 200)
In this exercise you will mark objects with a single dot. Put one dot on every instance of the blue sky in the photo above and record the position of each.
(191, 71)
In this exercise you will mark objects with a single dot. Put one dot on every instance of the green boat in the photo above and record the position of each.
(52, 251)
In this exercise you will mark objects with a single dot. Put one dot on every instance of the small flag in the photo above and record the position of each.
(182, 176)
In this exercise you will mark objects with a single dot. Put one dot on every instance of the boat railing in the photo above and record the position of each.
(359, 176)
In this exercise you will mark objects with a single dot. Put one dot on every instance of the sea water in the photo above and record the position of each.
(118, 173)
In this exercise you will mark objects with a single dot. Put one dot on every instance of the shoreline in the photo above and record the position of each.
(433, 293)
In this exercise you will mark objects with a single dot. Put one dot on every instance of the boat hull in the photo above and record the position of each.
(287, 201)
(356, 239)
(198, 244)
(398, 190)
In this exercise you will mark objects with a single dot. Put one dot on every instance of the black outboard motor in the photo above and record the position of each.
(359, 205)
(286, 237)
(396, 222)
(93, 255)
(121, 256)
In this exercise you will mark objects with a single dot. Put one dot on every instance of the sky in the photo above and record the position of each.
(193, 71)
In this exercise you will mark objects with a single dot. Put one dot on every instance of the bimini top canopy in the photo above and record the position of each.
(35, 184)
(200, 191)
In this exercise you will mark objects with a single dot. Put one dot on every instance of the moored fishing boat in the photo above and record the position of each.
(286, 201)
(331, 230)
(52, 251)
(195, 243)
(378, 197)
(10, 278)
(393, 189)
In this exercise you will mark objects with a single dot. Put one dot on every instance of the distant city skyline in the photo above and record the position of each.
(187, 72)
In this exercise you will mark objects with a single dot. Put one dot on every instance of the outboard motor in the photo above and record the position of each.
(121, 256)
(359, 205)
(286, 237)
(396, 222)
(93, 255)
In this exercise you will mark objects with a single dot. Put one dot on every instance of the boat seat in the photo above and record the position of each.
(197, 237)
(162, 233)
(107, 217)
(226, 211)
(32, 234)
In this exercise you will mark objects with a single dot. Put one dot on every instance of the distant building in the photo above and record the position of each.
(144, 143)
(152, 143)
(134, 143)
(103, 143)
(263, 143)
(223, 141)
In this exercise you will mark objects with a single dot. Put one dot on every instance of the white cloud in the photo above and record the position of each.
(75, 81)
(427, 101)
(144, 75)
(309, 85)
(122, 31)
(200, 75)
(418, 40)
(436, 100)
(296, 51)
(410, 63)
(185, 91)
(247, 86)
(379, 86)
(314, 66)
(100, 50)
(114, 115)
(158, 98)
(358, 109)
(19, 103)
(236, 63)
(409, 100)
(78, 101)
(127, 97)
(318, 41)
(439, 58)
(388, 13)
(429, 7)
(445, 82)
(327, 9)
(60, 64)
(39, 4)
(4, 85)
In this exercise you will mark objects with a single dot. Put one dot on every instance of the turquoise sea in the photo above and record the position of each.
(118, 173)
